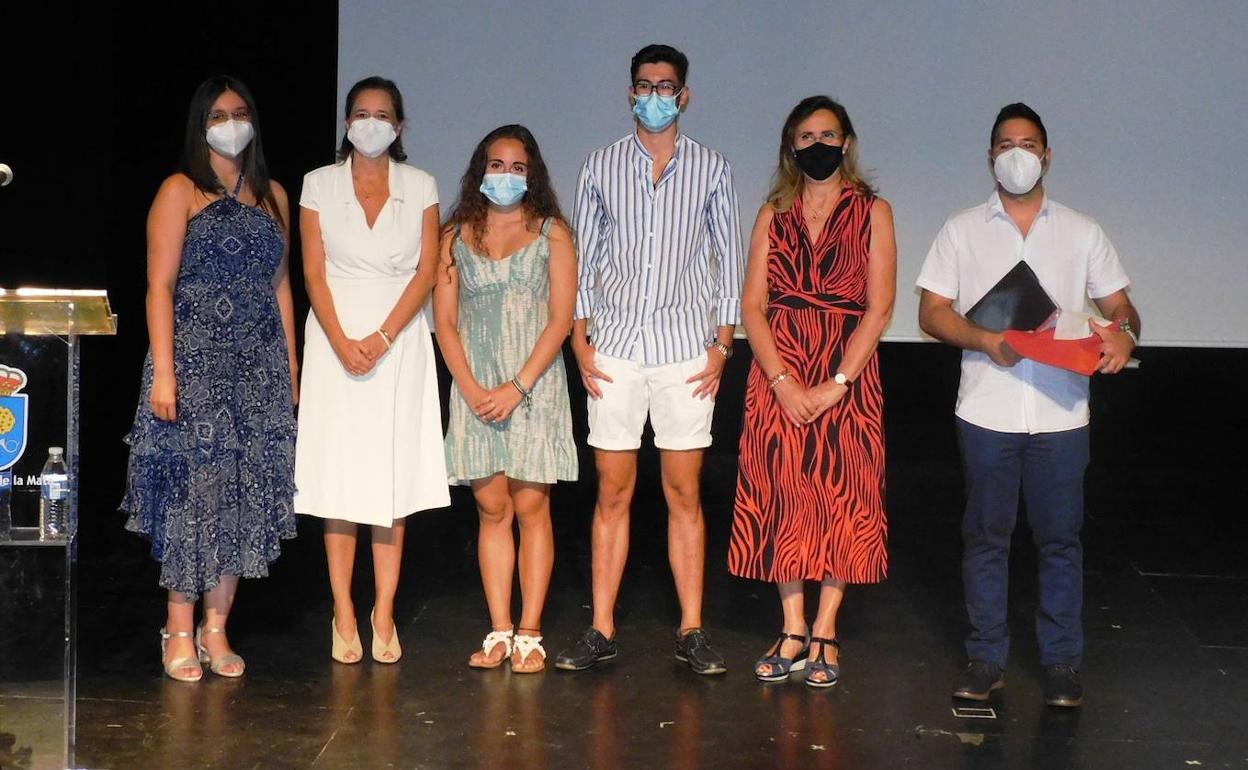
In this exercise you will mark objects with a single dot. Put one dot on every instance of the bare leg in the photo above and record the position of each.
(496, 555)
(217, 605)
(180, 616)
(387, 559)
(831, 593)
(537, 548)
(686, 530)
(537, 558)
(617, 474)
(340, 537)
(792, 602)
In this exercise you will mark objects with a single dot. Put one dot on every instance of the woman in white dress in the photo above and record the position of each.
(369, 449)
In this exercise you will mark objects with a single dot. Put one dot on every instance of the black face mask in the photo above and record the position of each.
(818, 161)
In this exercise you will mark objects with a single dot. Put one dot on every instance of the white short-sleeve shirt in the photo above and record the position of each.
(1073, 259)
(353, 250)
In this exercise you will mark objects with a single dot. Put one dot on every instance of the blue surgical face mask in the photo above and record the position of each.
(504, 189)
(656, 112)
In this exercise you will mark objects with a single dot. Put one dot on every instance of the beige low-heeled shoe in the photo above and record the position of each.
(175, 665)
(218, 664)
(341, 647)
(382, 649)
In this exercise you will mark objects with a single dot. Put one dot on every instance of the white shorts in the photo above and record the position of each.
(680, 420)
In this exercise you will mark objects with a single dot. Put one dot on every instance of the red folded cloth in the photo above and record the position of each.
(1082, 356)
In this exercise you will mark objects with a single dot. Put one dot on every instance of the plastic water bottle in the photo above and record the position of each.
(54, 496)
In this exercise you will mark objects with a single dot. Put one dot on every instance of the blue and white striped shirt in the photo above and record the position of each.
(660, 265)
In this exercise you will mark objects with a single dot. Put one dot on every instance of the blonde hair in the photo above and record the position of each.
(788, 180)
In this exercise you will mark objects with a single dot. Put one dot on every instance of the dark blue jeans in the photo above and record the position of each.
(1049, 468)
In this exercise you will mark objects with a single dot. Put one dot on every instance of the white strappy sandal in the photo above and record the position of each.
(525, 645)
(492, 640)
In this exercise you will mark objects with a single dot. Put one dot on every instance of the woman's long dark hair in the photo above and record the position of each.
(195, 163)
(540, 201)
(378, 84)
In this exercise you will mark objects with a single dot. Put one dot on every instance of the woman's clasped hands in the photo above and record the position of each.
(359, 357)
(803, 405)
(493, 405)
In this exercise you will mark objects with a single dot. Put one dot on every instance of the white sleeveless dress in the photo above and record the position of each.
(369, 448)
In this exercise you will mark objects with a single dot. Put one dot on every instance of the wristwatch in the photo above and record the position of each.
(841, 379)
(722, 348)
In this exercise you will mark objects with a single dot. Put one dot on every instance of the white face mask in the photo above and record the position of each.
(371, 136)
(231, 137)
(1017, 170)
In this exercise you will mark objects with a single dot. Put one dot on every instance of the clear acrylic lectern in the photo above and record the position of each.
(39, 387)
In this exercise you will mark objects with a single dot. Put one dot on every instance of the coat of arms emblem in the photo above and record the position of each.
(12, 416)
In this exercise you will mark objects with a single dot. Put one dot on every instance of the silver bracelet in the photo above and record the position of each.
(525, 395)
(1125, 326)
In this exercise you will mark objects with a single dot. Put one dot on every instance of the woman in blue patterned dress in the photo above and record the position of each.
(503, 307)
(212, 448)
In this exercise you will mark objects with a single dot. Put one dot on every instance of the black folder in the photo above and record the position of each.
(1018, 301)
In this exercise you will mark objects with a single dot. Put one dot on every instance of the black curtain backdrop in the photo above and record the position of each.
(94, 104)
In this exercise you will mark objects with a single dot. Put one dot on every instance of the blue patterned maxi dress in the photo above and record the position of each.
(212, 490)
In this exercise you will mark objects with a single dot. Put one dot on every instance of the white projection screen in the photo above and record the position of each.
(1146, 104)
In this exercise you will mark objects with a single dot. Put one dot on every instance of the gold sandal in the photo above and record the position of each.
(190, 661)
(218, 664)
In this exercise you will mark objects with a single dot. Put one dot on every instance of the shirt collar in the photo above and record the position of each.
(997, 209)
(395, 181)
(642, 155)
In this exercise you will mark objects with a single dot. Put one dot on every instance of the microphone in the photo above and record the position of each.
(6, 174)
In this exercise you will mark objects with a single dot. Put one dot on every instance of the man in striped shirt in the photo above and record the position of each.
(661, 267)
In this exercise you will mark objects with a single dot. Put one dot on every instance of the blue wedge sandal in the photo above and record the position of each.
(782, 667)
(831, 670)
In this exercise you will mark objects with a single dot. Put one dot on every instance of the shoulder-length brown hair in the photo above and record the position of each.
(539, 202)
(374, 83)
(788, 180)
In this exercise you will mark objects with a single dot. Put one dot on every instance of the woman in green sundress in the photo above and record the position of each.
(503, 306)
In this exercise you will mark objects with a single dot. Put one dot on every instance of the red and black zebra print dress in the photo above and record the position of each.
(810, 498)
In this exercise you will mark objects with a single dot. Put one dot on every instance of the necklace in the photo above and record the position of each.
(813, 213)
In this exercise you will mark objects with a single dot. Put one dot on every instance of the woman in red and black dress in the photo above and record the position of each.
(818, 294)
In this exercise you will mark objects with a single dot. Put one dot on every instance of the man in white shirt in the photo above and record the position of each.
(1022, 423)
